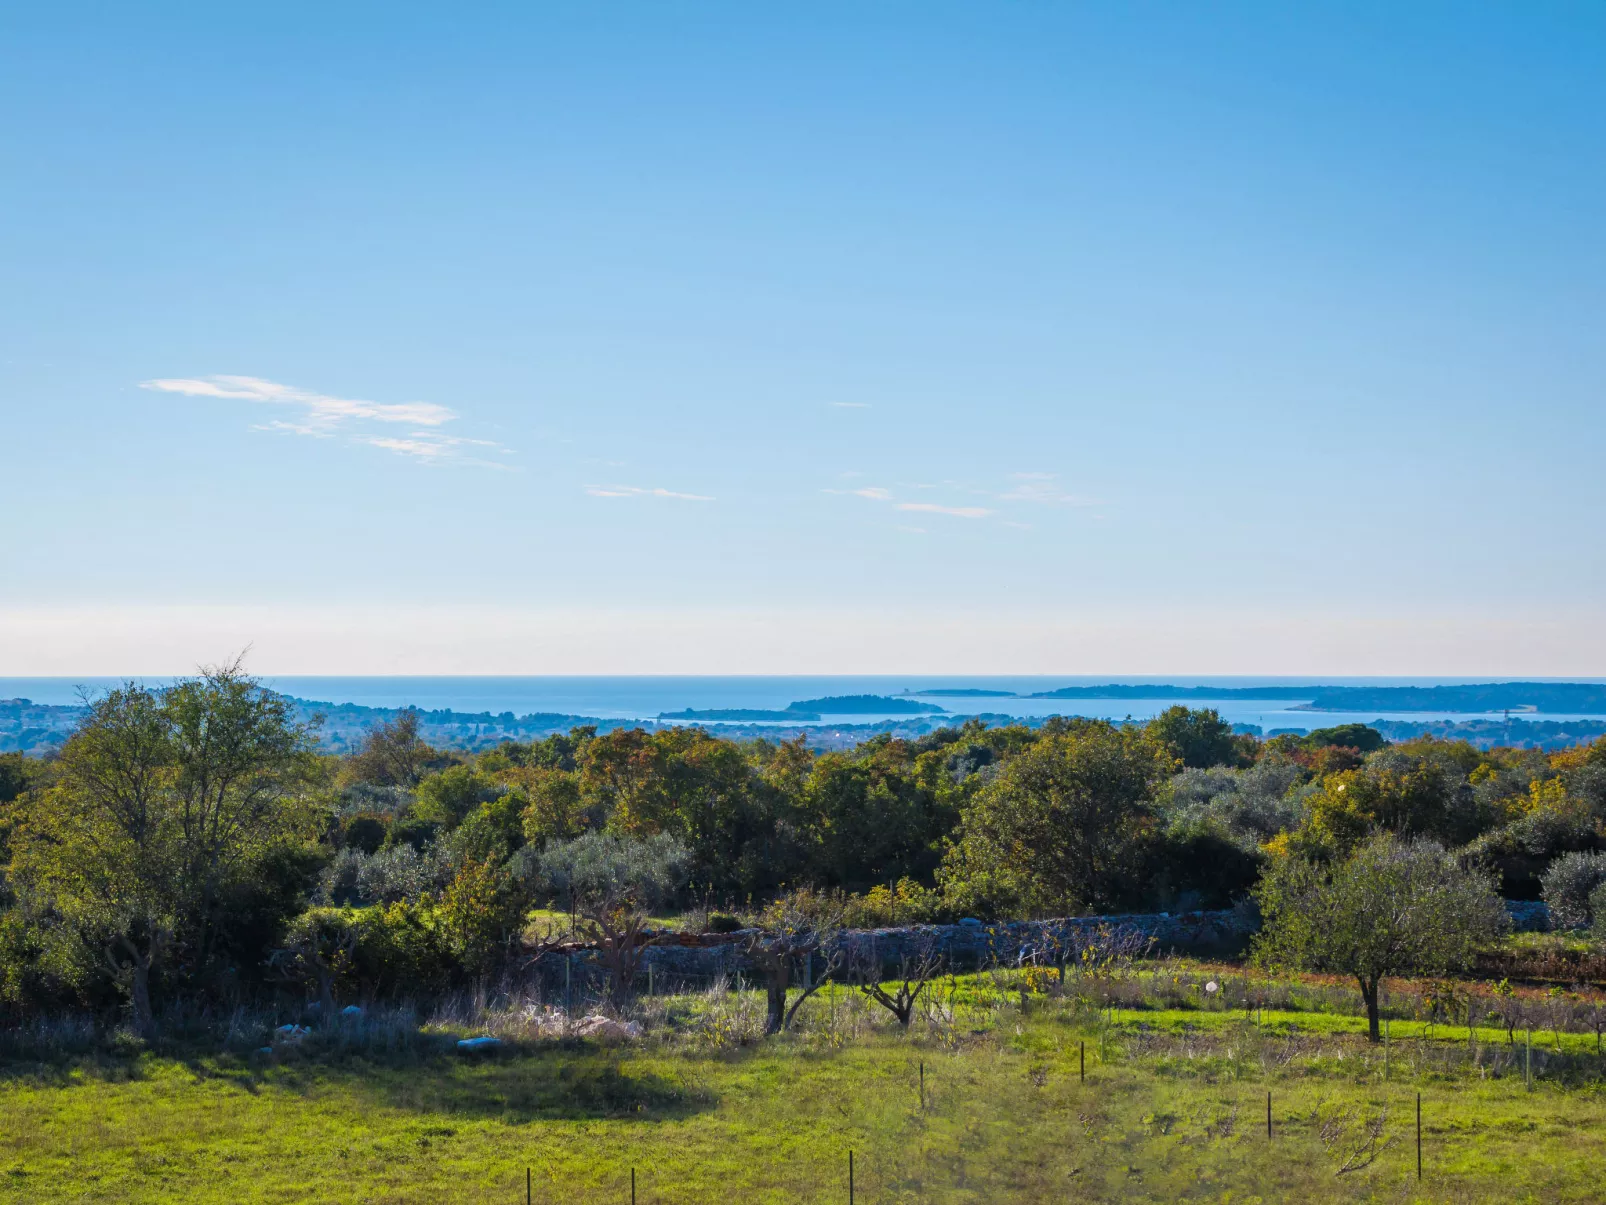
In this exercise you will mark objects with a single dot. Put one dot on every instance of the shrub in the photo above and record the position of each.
(317, 952)
(906, 903)
(1567, 888)
(414, 831)
(402, 951)
(481, 913)
(400, 873)
(490, 832)
(647, 870)
(449, 796)
(1597, 912)
(364, 831)
(339, 882)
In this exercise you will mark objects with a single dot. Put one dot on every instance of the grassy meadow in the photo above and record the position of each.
(1172, 1107)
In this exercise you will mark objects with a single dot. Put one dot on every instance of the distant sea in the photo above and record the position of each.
(646, 697)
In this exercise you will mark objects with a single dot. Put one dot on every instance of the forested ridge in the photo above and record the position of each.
(197, 843)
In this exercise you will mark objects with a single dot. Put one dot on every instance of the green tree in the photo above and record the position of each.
(482, 912)
(446, 798)
(164, 805)
(1392, 908)
(1063, 827)
(1345, 736)
(16, 772)
(393, 754)
(868, 820)
(556, 811)
(1198, 737)
(700, 789)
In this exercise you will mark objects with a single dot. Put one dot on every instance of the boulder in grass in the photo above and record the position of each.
(290, 1035)
(353, 1012)
(481, 1045)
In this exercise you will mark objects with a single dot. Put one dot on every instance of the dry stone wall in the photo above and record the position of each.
(703, 958)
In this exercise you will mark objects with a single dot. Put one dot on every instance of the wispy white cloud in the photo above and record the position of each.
(322, 416)
(1044, 488)
(962, 512)
(433, 448)
(876, 493)
(636, 491)
(322, 411)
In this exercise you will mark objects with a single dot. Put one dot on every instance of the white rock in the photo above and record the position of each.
(607, 1029)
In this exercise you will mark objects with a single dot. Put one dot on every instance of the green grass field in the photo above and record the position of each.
(1173, 1108)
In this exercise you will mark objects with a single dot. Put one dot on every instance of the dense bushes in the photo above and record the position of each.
(407, 870)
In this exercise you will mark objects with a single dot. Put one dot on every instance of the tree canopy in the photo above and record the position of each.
(1393, 907)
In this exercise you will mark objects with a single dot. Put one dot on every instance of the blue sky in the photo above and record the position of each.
(828, 338)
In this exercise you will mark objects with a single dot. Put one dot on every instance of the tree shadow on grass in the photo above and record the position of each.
(520, 1083)
(539, 1082)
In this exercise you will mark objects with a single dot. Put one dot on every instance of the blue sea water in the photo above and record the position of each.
(646, 696)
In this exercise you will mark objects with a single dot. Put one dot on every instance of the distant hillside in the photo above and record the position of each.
(1580, 698)
(864, 705)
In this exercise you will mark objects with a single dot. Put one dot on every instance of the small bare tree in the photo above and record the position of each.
(899, 993)
(611, 882)
(789, 936)
(618, 928)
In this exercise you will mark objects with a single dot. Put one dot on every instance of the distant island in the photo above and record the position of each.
(1579, 698)
(865, 705)
(1118, 690)
(739, 715)
(964, 692)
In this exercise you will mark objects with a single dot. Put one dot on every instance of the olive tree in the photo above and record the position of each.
(790, 932)
(1392, 908)
(1567, 888)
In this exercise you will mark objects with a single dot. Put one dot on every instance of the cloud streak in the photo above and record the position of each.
(1044, 489)
(877, 493)
(323, 416)
(636, 491)
(931, 508)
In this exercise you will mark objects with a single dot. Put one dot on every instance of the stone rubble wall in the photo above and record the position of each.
(965, 946)
(703, 958)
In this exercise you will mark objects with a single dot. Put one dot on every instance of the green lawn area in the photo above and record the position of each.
(1173, 1108)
